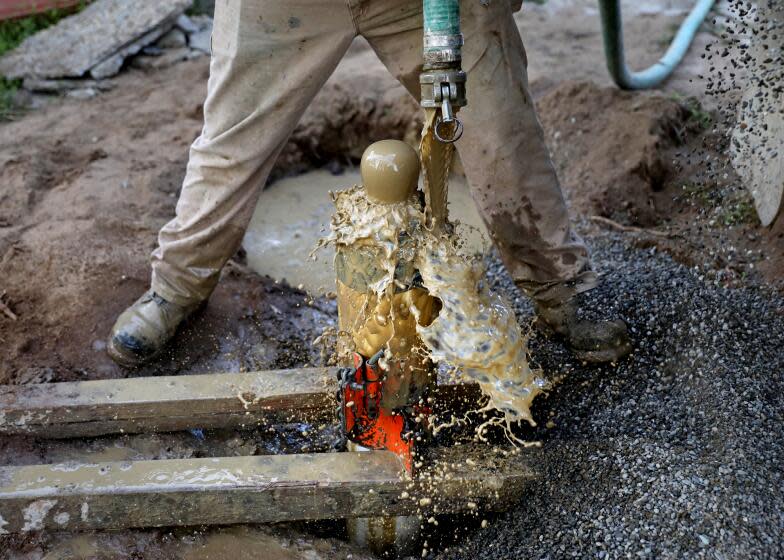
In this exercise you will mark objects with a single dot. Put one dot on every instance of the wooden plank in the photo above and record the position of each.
(229, 490)
(165, 403)
(171, 403)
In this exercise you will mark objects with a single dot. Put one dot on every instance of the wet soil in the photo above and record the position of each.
(87, 184)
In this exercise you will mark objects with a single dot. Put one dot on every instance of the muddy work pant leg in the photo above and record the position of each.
(508, 166)
(269, 59)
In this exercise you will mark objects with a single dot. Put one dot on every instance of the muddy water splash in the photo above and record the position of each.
(475, 331)
(391, 247)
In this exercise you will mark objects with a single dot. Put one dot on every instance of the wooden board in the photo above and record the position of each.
(167, 403)
(171, 403)
(231, 490)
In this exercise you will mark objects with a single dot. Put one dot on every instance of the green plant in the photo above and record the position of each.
(7, 91)
(696, 114)
(201, 7)
(14, 31)
(738, 212)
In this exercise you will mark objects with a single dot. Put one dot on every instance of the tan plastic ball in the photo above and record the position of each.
(390, 170)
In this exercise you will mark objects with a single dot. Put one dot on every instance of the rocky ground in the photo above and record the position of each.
(672, 453)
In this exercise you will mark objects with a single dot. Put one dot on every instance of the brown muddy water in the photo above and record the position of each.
(475, 331)
(293, 214)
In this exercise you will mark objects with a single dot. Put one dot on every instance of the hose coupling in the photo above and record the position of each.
(445, 89)
(443, 49)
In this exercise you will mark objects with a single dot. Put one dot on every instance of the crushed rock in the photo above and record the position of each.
(673, 453)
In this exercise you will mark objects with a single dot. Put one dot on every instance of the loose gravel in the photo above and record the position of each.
(675, 452)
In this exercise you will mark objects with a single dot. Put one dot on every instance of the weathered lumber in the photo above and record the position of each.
(171, 403)
(167, 403)
(258, 489)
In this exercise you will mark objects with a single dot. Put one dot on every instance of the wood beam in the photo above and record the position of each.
(257, 489)
(172, 403)
(166, 403)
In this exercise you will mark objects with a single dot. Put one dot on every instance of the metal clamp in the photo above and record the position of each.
(447, 119)
(443, 49)
(445, 90)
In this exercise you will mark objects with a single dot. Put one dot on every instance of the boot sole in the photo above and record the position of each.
(126, 359)
(611, 355)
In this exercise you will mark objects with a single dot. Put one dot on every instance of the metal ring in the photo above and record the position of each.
(455, 137)
(442, 56)
(454, 41)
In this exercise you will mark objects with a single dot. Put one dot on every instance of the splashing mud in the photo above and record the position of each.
(474, 331)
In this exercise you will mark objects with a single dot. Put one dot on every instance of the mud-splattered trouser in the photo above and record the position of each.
(270, 58)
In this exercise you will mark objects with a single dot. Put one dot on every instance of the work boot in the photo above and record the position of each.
(593, 341)
(144, 329)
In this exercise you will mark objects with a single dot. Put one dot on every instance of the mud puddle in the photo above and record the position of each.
(293, 214)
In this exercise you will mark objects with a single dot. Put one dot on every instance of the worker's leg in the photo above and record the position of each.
(269, 59)
(505, 158)
(507, 163)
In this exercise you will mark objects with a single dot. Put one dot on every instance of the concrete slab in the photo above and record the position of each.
(93, 37)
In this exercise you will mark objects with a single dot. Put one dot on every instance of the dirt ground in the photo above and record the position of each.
(87, 184)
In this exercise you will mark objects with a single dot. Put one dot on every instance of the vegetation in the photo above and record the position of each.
(739, 211)
(696, 114)
(730, 206)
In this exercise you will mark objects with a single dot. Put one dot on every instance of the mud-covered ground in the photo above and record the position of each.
(672, 453)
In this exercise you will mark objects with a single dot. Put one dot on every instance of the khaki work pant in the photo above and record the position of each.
(270, 58)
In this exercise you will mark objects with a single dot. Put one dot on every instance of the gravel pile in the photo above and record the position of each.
(674, 453)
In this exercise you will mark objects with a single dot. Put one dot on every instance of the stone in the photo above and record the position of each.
(114, 64)
(98, 36)
(84, 93)
(202, 22)
(60, 86)
(186, 24)
(108, 68)
(201, 41)
(168, 58)
(173, 39)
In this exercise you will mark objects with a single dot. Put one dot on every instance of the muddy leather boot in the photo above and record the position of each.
(593, 341)
(144, 329)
